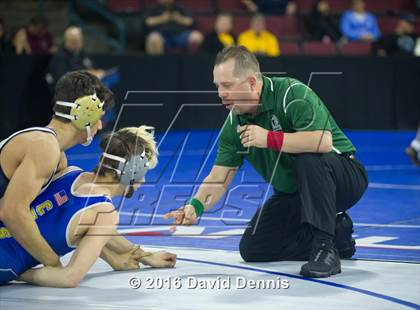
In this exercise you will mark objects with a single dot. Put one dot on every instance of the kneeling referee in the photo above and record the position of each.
(287, 134)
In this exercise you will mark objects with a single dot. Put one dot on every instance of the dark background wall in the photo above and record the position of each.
(177, 91)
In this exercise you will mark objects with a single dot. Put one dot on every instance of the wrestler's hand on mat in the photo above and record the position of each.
(132, 258)
(183, 216)
(161, 259)
(253, 135)
(128, 260)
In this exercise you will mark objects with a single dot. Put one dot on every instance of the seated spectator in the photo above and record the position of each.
(38, 37)
(258, 40)
(20, 44)
(221, 36)
(402, 42)
(169, 26)
(71, 56)
(271, 7)
(5, 45)
(321, 25)
(359, 25)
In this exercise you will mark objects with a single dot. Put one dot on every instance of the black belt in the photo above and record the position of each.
(350, 155)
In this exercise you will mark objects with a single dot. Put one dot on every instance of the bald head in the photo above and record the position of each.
(73, 39)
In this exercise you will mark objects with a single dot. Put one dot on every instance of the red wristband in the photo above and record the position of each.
(275, 140)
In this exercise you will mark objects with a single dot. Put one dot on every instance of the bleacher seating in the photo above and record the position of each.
(387, 24)
(288, 29)
(377, 6)
(319, 49)
(339, 6)
(235, 6)
(417, 25)
(240, 24)
(356, 48)
(124, 6)
(232, 6)
(289, 49)
(304, 6)
(284, 26)
(402, 5)
(204, 24)
(198, 6)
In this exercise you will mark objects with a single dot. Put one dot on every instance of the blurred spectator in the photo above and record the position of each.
(71, 56)
(38, 37)
(221, 36)
(271, 7)
(169, 26)
(5, 45)
(359, 25)
(258, 40)
(402, 42)
(321, 25)
(20, 44)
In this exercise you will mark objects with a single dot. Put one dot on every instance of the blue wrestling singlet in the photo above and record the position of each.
(4, 182)
(53, 211)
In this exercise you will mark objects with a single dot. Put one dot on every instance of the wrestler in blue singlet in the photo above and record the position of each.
(53, 210)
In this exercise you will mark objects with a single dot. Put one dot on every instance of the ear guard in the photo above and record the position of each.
(85, 112)
(130, 171)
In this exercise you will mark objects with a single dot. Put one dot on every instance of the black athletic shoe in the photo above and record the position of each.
(343, 241)
(324, 262)
(414, 155)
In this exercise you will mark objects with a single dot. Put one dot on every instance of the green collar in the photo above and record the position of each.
(267, 95)
(266, 100)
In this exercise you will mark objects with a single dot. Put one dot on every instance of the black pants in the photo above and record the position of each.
(283, 228)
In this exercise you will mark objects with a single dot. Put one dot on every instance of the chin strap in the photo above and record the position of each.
(89, 137)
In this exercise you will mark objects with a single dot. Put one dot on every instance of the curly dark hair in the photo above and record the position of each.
(76, 84)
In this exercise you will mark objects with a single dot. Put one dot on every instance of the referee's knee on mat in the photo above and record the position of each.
(248, 251)
(244, 249)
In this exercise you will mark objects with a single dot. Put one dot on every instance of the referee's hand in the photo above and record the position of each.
(253, 135)
(183, 216)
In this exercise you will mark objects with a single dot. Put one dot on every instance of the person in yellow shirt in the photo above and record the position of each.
(259, 40)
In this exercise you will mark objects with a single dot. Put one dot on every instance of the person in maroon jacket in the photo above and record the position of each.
(38, 36)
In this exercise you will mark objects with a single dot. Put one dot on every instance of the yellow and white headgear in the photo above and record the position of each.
(85, 112)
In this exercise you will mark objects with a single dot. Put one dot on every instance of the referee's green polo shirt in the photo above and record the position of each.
(285, 105)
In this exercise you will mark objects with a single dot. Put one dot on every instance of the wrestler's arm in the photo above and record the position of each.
(121, 254)
(85, 255)
(36, 167)
(63, 162)
(119, 244)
